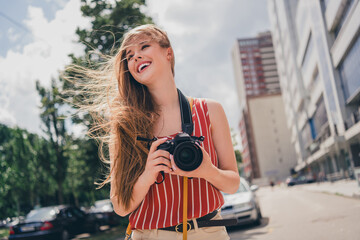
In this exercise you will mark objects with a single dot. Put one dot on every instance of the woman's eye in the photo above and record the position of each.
(144, 46)
(129, 57)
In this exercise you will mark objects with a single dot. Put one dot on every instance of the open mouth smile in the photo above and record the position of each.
(142, 66)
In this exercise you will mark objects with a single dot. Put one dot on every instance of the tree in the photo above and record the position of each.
(23, 180)
(54, 128)
(110, 20)
(236, 145)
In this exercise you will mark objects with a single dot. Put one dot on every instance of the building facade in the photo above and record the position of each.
(267, 152)
(317, 48)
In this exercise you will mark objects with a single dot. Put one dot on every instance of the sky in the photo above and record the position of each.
(36, 37)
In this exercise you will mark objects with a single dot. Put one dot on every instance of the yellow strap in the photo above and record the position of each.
(185, 197)
(128, 232)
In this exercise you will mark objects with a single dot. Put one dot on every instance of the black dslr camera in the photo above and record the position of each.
(187, 154)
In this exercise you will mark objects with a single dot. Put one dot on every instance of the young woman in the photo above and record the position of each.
(146, 104)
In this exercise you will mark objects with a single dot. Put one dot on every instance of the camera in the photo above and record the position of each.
(187, 154)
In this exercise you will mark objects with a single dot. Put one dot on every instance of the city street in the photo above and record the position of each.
(295, 213)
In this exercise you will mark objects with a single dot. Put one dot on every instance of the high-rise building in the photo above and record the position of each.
(317, 48)
(267, 152)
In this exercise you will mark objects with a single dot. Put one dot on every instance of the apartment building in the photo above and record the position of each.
(267, 152)
(317, 49)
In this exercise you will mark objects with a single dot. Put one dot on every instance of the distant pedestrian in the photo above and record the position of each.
(272, 184)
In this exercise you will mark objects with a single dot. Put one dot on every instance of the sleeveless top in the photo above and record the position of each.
(162, 206)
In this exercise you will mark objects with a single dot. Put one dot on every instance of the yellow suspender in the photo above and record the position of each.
(185, 200)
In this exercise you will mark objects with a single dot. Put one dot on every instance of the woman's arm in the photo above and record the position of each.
(225, 177)
(158, 160)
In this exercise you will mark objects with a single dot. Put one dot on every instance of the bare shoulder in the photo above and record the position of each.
(215, 108)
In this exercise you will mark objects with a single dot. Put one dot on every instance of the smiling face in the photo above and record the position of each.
(146, 59)
(144, 55)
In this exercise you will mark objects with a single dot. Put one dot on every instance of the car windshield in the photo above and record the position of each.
(41, 214)
(103, 205)
(242, 188)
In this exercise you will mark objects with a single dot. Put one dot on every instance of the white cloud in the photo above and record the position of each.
(12, 35)
(39, 60)
(202, 34)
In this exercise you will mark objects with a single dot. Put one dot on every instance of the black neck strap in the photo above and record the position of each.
(186, 117)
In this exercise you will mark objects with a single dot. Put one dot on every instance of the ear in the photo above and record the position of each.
(169, 53)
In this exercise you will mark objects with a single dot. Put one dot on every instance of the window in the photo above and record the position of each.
(343, 17)
(306, 135)
(350, 71)
(308, 53)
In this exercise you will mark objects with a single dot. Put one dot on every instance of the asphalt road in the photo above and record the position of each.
(293, 213)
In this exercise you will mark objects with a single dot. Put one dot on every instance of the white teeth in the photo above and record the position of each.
(142, 66)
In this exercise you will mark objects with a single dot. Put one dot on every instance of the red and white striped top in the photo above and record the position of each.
(162, 206)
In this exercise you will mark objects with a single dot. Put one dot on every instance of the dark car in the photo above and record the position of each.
(291, 181)
(55, 222)
(104, 213)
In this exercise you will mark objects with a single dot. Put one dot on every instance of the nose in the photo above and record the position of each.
(137, 56)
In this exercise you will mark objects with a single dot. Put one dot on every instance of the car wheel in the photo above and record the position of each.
(258, 217)
(64, 235)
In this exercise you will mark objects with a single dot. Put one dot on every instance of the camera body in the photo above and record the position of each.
(187, 154)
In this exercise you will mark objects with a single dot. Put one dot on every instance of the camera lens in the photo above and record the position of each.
(188, 156)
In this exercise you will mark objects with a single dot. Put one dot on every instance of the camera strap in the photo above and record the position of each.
(187, 125)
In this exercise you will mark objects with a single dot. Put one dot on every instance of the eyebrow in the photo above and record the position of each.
(127, 53)
(141, 43)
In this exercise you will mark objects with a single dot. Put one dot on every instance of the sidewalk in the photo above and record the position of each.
(348, 188)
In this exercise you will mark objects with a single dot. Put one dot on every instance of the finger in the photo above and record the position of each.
(173, 165)
(155, 144)
(162, 161)
(161, 153)
(160, 168)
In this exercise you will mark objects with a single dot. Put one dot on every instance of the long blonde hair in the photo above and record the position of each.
(122, 109)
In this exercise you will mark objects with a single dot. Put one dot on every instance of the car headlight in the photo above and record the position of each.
(244, 205)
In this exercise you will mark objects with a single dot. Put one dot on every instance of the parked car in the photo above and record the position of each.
(54, 222)
(3, 223)
(243, 205)
(104, 213)
(291, 181)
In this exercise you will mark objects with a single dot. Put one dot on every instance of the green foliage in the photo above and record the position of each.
(23, 178)
(54, 122)
(4, 233)
(235, 144)
(60, 168)
(110, 22)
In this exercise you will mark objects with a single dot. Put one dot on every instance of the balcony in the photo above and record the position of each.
(324, 134)
(353, 119)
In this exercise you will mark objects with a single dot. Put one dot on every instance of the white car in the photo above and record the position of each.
(242, 205)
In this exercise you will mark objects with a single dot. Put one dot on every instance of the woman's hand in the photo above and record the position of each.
(203, 171)
(157, 161)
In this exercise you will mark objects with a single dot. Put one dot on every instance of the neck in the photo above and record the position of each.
(164, 93)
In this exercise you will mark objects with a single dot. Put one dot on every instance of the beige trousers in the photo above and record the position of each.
(205, 233)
